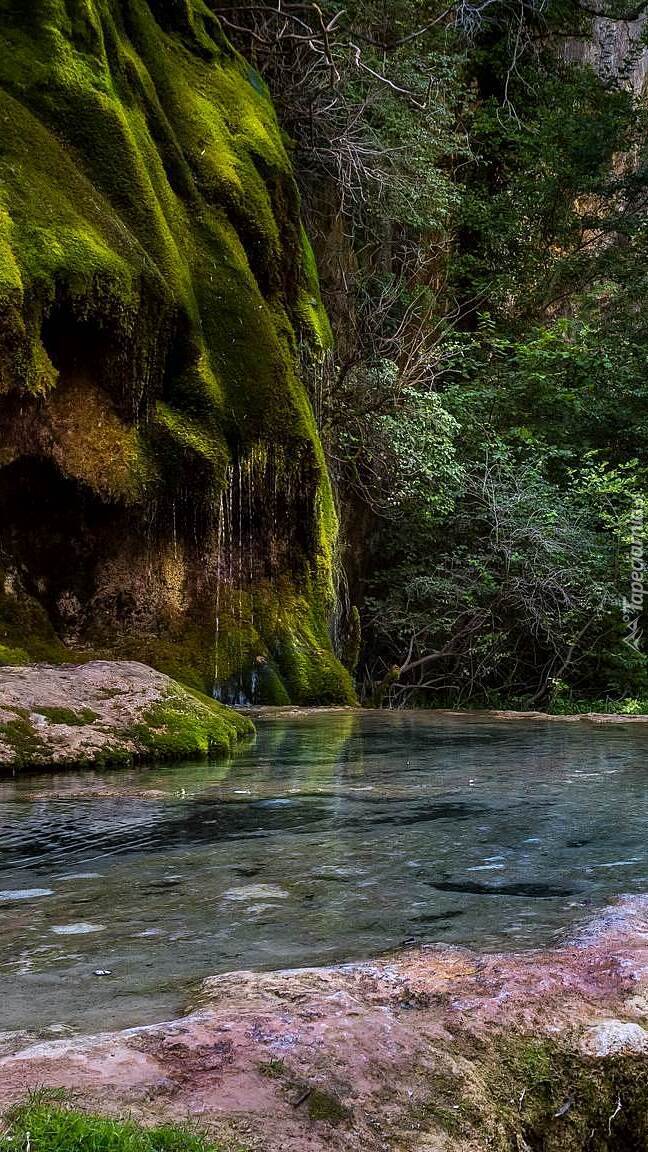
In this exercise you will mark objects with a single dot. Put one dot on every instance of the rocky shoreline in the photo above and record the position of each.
(106, 713)
(477, 714)
(436, 1048)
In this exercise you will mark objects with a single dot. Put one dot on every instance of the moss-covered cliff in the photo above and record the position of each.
(162, 488)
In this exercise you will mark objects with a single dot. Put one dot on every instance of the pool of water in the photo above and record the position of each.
(330, 837)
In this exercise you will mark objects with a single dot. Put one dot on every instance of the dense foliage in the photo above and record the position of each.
(478, 193)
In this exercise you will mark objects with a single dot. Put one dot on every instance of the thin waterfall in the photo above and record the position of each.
(274, 515)
(240, 577)
(219, 552)
(263, 510)
(228, 520)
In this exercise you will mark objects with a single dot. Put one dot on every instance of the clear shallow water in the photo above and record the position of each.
(329, 838)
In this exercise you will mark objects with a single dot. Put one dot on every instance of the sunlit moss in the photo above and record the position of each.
(311, 310)
(188, 724)
(93, 445)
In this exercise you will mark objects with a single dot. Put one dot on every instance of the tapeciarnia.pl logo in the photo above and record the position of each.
(633, 607)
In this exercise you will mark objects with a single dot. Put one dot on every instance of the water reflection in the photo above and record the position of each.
(331, 837)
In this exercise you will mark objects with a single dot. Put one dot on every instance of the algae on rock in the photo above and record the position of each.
(156, 285)
(107, 712)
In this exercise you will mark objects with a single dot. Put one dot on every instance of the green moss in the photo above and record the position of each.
(311, 311)
(110, 756)
(564, 1101)
(274, 645)
(515, 1091)
(272, 689)
(26, 628)
(274, 1069)
(303, 656)
(288, 648)
(194, 132)
(185, 654)
(13, 655)
(45, 1124)
(91, 444)
(188, 724)
(195, 435)
(184, 724)
(23, 739)
(325, 1106)
(68, 716)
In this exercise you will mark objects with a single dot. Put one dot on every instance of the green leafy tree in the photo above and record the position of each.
(478, 204)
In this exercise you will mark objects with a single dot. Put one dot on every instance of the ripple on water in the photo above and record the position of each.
(256, 892)
(79, 876)
(79, 929)
(24, 893)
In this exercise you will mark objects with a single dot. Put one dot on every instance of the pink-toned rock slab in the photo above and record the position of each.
(347, 1057)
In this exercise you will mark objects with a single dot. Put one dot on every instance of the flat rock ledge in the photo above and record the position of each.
(434, 1049)
(106, 712)
(504, 714)
(473, 715)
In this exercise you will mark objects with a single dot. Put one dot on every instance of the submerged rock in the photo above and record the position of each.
(106, 712)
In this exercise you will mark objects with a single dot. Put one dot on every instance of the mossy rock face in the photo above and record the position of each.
(102, 713)
(542, 1095)
(155, 284)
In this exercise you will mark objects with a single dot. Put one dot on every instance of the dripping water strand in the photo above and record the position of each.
(240, 576)
(250, 488)
(219, 548)
(273, 465)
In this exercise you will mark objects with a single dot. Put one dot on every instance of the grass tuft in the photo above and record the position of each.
(46, 1124)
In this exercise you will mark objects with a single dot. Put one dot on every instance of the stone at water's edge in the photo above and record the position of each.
(106, 712)
(438, 1049)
